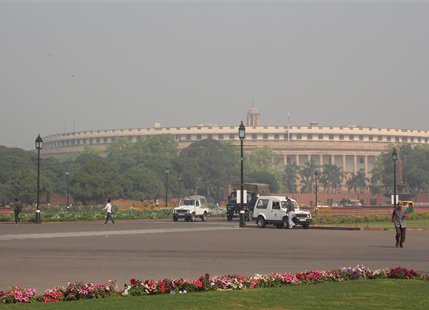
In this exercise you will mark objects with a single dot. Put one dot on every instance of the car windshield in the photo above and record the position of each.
(188, 202)
(284, 205)
(234, 196)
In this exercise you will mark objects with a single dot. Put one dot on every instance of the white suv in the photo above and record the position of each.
(273, 210)
(191, 208)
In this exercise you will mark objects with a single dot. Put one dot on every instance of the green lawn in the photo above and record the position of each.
(420, 223)
(359, 294)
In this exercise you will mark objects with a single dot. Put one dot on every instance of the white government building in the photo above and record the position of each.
(351, 147)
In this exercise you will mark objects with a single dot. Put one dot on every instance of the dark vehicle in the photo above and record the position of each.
(253, 191)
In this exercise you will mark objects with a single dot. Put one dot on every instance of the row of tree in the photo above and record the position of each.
(138, 171)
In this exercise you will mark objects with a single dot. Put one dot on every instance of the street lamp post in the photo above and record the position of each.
(39, 146)
(395, 159)
(242, 135)
(167, 171)
(178, 190)
(67, 189)
(316, 177)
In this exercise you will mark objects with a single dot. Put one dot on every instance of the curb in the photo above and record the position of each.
(350, 228)
(98, 221)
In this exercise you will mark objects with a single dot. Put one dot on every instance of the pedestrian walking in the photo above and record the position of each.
(399, 216)
(109, 210)
(17, 208)
(290, 213)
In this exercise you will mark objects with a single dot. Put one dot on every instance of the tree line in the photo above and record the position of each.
(138, 171)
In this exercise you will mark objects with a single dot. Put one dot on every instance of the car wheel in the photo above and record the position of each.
(192, 219)
(261, 222)
(279, 225)
(306, 226)
(286, 222)
(175, 218)
(204, 217)
(229, 217)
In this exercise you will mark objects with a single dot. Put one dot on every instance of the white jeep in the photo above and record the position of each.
(273, 210)
(191, 208)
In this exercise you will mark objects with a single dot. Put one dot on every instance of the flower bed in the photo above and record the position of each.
(353, 219)
(80, 290)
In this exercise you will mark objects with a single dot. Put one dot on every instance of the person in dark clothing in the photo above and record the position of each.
(290, 212)
(17, 206)
(399, 216)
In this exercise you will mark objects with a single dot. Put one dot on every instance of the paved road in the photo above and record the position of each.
(42, 256)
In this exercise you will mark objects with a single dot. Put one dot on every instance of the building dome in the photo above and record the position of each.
(253, 110)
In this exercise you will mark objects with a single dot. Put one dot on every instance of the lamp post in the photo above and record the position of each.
(167, 171)
(241, 135)
(67, 189)
(178, 190)
(316, 177)
(39, 146)
(395, 159)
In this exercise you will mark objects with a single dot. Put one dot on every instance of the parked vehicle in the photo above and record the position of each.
(409, 205)
(353, 203)
(253, 191)
(191, 208)
(273, 210)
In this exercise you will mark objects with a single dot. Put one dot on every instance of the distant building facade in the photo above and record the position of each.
(353, 148)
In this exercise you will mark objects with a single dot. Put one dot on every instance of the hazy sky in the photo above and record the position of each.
(124, 65)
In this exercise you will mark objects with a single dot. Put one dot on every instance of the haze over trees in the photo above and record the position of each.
(137, 171)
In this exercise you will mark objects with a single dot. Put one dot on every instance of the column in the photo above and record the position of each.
(355, 165)
(344, 163)
(285, 160)
(366, 165)
(333, 159)
(321, 160)
(297, 159)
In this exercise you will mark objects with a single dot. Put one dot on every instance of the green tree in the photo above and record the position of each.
(264, 177)
(54, 170)
(14, 159)
(307, 176)
(358, 182)
(154, 153)
(332, 177)
(262, 159)
(415, 164)
(290, 177)
(208, 166)
(92, 150)
(96, 181)
(141, 183)
(23, 184)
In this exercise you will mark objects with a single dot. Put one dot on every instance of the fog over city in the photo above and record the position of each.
(75, 66)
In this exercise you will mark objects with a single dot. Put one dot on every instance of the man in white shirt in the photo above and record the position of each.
(108, 207)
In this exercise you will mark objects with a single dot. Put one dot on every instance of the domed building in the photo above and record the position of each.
(351, 147)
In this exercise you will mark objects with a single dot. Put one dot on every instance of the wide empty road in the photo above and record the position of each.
(42, 256)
